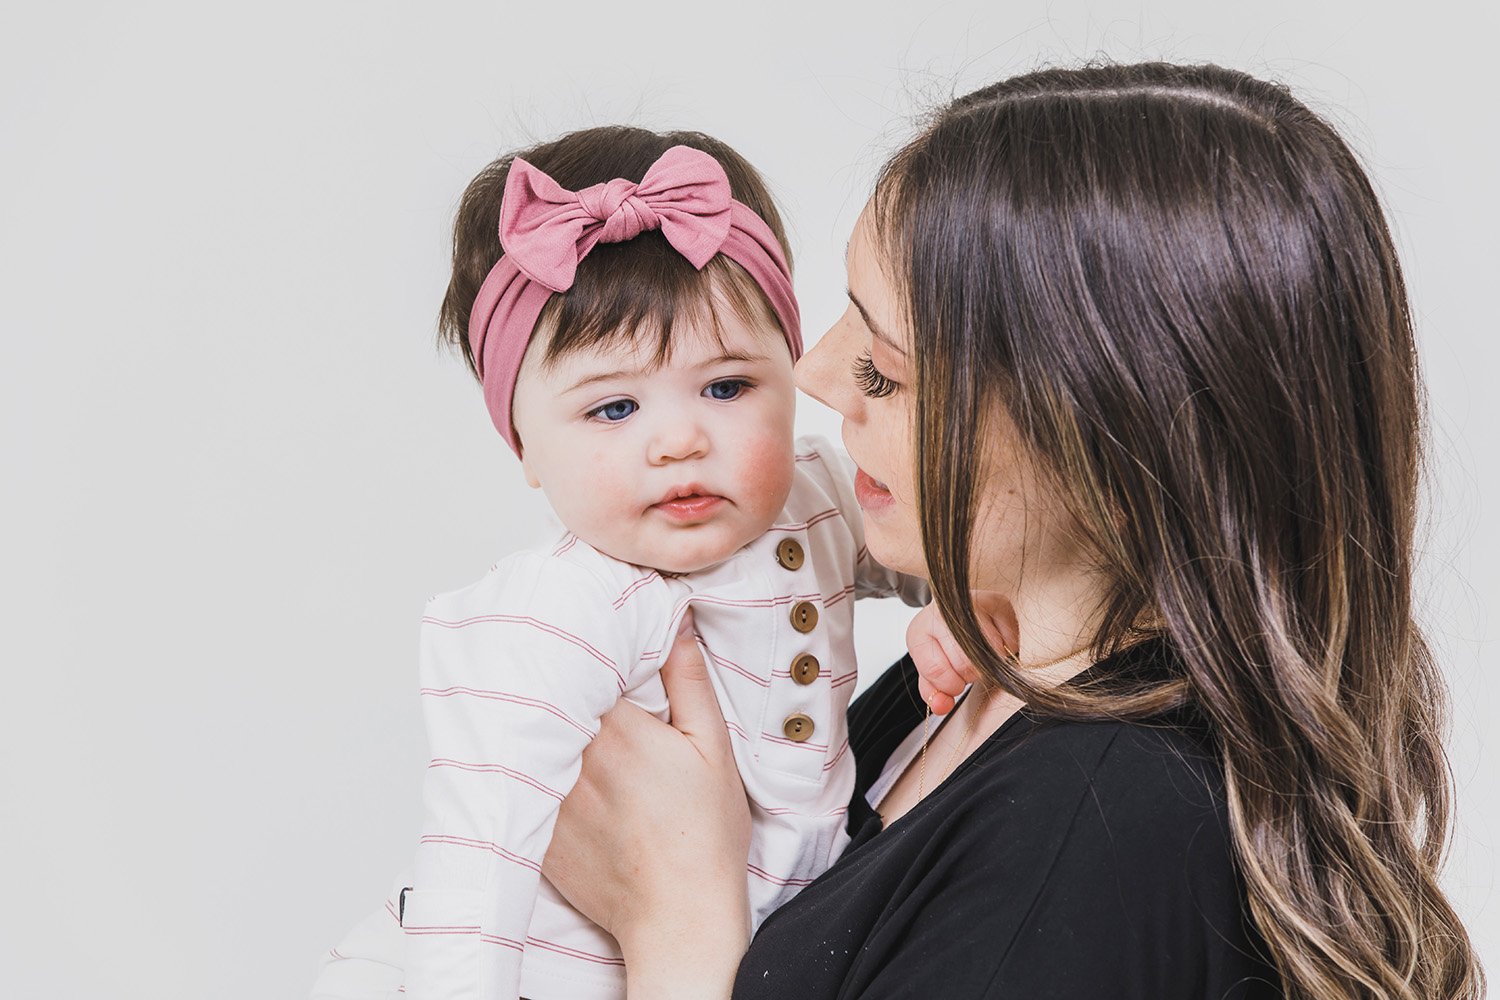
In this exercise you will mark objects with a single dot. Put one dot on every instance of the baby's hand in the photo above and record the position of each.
(943, 671)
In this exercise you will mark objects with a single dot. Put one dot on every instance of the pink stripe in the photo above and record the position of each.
(809, 456)
(760, 602)
(736, 668)
(775, 880)
(569, 540)
(485, 845)
(514, 699)
(335, 953)
(736, 730)
(525, 779)
(535, 623)
(785, 811)
(503, 942)
(817, 518)
(391, 909)
(837, 757)
(442, 930)
(637, 585)
(574, 952)
(838, 596)
(853, 675)
(804, 745)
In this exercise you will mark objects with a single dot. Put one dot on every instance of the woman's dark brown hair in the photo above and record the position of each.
(621, 290)
(1178, 283)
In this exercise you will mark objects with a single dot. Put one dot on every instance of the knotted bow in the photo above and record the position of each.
(547, 229)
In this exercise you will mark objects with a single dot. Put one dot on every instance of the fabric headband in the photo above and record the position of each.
(545, 230)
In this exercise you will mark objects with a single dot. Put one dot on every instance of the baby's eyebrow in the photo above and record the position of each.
(610, 376)
(732, 357)
(728, 357)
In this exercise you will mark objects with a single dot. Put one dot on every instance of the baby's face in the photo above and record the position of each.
(674, 467)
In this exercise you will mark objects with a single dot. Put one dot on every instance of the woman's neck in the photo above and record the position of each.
(1057, 619)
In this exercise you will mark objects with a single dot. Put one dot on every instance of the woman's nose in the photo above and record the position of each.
(823, 372)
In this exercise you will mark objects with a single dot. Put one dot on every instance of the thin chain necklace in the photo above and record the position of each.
(926, 738)
(969, 729)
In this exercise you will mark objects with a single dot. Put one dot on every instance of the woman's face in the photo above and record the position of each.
(863, 368)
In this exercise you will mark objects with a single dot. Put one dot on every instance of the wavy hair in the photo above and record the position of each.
(1179, 284)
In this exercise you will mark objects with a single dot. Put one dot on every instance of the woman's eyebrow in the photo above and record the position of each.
(864, 313)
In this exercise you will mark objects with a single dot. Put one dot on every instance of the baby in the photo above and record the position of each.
(635, 344)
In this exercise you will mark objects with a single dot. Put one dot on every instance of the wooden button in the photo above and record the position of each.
(789, 553)
(797, 727)
(805, 669)
(804, 616)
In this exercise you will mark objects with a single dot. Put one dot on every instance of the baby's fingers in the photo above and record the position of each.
(958, 662)
(940, 702)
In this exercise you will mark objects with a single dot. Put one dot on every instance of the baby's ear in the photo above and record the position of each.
(531, 478)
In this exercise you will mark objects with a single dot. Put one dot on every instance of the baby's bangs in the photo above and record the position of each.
(633, 294)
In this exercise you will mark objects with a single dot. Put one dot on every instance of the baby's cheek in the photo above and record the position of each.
(596, 493)
(765, 471)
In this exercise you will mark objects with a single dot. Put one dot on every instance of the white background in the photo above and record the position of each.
(234, 464)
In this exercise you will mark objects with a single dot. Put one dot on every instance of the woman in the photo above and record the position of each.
(1128, 352)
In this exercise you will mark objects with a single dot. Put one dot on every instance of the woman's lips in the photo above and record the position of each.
(690, 509)
(871, 494)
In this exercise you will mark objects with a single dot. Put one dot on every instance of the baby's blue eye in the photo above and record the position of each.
(615, 410)
(726, 389)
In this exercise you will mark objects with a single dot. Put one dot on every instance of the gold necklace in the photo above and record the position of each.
(926, 738)
(969, 730)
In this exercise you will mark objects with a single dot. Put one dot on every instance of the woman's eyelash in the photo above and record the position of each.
(869, 379)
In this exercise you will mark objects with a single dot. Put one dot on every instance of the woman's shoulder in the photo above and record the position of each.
(1147, 795)
(1147, 783)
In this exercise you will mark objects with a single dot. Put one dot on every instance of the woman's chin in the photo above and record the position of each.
(902, 555)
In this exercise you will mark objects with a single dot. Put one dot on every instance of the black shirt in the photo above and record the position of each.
(1060, 860)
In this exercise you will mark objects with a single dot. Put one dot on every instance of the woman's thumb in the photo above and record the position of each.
(695, 707)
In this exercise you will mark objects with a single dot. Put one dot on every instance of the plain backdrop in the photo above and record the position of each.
(235, 464)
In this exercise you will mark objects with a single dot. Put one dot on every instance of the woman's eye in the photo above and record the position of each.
(869, 379)
(615, 410)
(725, 389)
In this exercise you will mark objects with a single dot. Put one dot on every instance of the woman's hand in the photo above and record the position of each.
(652, 842)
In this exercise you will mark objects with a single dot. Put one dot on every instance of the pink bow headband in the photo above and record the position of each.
(545, 230)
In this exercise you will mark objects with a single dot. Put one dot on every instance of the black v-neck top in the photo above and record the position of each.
(1067, 860)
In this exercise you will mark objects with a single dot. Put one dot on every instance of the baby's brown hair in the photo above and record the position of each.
(632, 289)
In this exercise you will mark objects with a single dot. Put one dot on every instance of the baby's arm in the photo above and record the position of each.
(516, 673)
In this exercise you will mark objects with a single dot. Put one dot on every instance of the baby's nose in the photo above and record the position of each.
(678, 439)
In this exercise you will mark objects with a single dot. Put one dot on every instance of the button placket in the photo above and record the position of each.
(798, 727)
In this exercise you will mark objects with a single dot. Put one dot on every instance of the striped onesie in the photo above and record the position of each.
(516, 671)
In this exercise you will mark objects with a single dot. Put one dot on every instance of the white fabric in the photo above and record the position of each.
(517, 670)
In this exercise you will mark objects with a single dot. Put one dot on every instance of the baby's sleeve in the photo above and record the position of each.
(516, 672)
(367, 963)
(871, 579)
